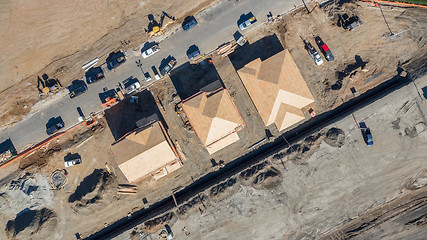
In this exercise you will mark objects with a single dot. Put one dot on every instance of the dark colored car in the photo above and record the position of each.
(188, 23)
(54, 125)
(168, 67)
(115, 59)
(325, 49)
(193, 52)
(77, 88)
(94, 75)
(366, 133)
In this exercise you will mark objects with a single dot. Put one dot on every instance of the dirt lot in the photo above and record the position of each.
(364, 58)
(301, 192)
(330, 179)
(48, 37)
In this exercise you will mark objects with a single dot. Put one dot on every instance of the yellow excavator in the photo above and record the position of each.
(157, 27)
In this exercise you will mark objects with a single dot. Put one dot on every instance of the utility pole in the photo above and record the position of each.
(139, 64)
(391, 33)
(306, 8)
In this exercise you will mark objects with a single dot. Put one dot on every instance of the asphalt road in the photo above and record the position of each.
(216, 26)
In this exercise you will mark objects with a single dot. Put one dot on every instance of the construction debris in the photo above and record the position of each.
(227, 49)
(58, 179)
(126, 189)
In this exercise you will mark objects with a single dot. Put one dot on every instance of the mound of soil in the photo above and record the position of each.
(185, 208)
(222, 187)
(91, 191)
(335, 137)
(419, 181)
(247, 174)
(268, 179)
(262, 175)
(31, 222)
(155, 224)
(302, 151)
(39, 158)
(92, 182)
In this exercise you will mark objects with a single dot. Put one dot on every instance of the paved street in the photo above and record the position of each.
(216, 26)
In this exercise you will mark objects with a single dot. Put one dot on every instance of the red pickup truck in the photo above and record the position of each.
(325, 49)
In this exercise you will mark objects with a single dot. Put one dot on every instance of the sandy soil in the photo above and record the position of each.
(302, 192)
(364, 58)
(56, 38)
(322, 187)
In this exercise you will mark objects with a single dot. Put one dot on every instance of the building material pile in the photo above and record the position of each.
(227, 49)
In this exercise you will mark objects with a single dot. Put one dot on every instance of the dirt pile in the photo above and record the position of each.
(41, 156)
(155, 224)
(419, 181)
(409, 120)
(334, 137)
(32, 222)
(92, 192)
(184, 209)
(224, 189)
(301, 151)
(29, 191)
(262, 175)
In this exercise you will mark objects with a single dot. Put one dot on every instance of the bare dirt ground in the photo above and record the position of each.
(301, 192)
(56, 38)
(364, 58)
(327, 180)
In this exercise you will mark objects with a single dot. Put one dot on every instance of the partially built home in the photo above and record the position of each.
(146, 151)
(277, 89)
(214, 118)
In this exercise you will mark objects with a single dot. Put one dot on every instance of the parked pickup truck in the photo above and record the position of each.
(166, 69)
(366, 133)
(314, 54)
(247, 23)
(325, 49)
(73, 162)
(94, 74)
(151, 51)
(131, 85)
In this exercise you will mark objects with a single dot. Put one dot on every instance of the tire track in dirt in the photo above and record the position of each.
(386, 212)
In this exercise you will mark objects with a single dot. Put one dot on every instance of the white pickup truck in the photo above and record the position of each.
(151, 51)
(247, 23)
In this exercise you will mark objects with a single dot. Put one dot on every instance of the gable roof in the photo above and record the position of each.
(277, 89)
(213, 115)
(143, 151)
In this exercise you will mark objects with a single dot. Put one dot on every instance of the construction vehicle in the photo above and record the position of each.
(49, 85)
(157, 27)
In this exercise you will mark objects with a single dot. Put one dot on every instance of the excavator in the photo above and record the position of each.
(155, 28)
